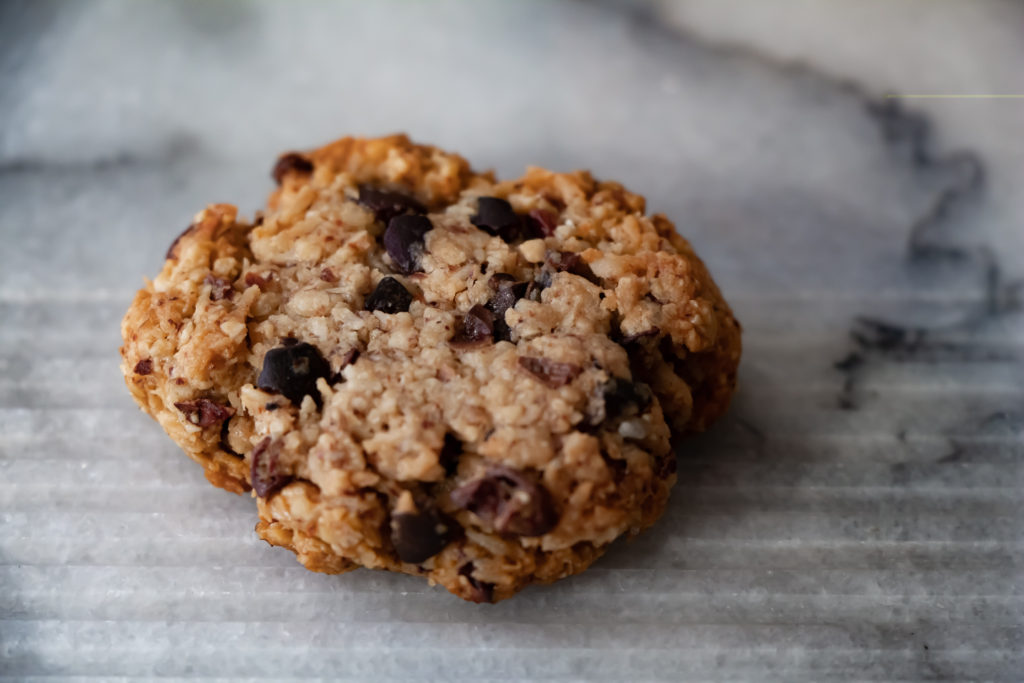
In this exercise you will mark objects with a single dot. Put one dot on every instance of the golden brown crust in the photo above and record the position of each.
(558, 409)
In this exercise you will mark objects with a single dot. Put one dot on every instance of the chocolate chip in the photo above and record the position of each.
(507, 293)
(219, 287)
(623, 398)
(386, 204)
(144, 367)
(403, 241)
(172, 251)
(509, 501)
(481, 590)
(495, 216)
(266, 472)
(271, 406)
(640, 337)
(293, 370)
(477, 328)
(667, 466)
(203, 412)
(545, 222)
(450, 453)
(550, 372)
(540, 282)
(289, 163)
(571, 262)
(419, 536)
(225, 444)
(389, 297)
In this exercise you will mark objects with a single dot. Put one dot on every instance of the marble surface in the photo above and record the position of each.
(857, 515)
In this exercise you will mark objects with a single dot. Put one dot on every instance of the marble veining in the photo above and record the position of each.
(856, 515)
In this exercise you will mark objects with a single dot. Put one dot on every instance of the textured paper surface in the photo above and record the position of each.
(857, 515)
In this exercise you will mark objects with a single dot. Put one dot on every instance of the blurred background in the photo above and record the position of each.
(848, 171)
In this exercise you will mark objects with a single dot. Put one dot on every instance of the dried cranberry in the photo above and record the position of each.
(292, 370)
(403, 241)
(219, 287)
(144, 367)
(289, 163)
(550, 372)
(495, 216)
(545, 222)
(419, 536)
(266, 472)
(257, 279)
(386, 204)
(477, 328)
(509, 501)
(389, 297)
(172, 251)
(203, 412)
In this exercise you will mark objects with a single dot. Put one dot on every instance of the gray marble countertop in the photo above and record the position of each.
(858, 514)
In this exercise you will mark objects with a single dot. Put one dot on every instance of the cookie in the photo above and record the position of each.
(413, 366)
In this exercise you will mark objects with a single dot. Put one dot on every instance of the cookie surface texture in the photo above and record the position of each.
(413, 366)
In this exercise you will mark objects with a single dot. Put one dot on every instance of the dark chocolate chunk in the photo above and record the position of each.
(477, 328)
(293, 370)
(144, 367)
(450, 453)
(506, 293)
(219, 287)
(403, 241)
(389, 297)
(496, 217)
(544, 222)
(667, 466)
(481, 590)
(623, 398)
(288, 163)
(419, 536)
(571, 262)
(640, 337)
(266, 472)
(509, 501)
(203, 412)
(386, 204)
(225, 444)
(540, 282)
(552, 373)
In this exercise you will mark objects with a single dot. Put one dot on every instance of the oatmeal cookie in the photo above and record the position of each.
(416, 367)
